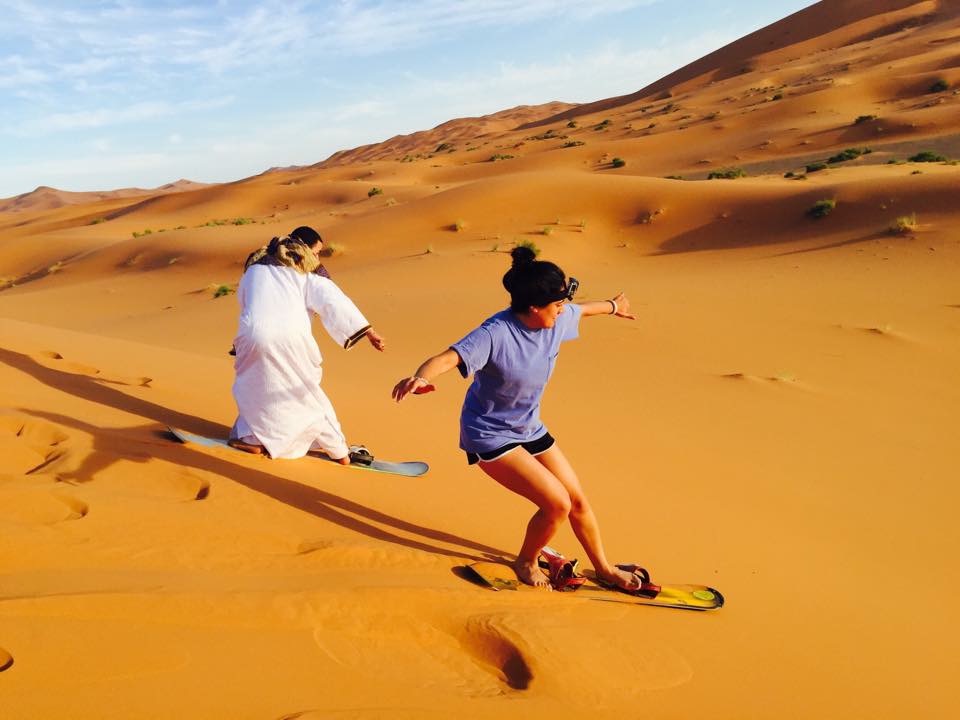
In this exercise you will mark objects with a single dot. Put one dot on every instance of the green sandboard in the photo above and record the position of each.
(407, 469)
(498, 576)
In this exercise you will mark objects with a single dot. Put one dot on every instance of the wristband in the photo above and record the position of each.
(613, 304)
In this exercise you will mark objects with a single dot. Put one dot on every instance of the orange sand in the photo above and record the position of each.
(779, 422)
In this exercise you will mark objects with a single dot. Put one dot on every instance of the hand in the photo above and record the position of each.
(413, 384)
(376, 340)
(623, 307)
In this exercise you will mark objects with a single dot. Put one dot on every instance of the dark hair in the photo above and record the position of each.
(533, 282)
(306, 234)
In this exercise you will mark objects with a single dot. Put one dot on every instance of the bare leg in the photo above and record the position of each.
(519, 472)
(582, 519)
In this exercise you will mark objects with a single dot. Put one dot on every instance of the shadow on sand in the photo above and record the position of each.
(147, 441)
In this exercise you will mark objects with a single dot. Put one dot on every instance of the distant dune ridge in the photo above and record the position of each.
(779, 422)
(48, 198)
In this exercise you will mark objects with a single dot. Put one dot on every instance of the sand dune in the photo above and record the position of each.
(779, 422)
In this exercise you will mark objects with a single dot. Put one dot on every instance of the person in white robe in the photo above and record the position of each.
(283, 411)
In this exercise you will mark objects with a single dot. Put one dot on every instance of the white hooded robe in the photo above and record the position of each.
(278, 363)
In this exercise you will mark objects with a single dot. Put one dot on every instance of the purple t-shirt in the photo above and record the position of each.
(510, 364)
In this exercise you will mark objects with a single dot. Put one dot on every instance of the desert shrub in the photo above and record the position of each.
(789, 174)
(673, 177)
(727, 174)
(97, 221)
(864, 118)
(459, 225)
(939, 85)
(926, 156)
(529, 244)
(374, 191)
(574, 143)
(618, 162)
(822, 208)
(904, 225)
(444, 146)
(500, 156)
(550, 134)
(572, 124)
(816, 167)
(222, 290)
(847, 154)
(778, 96)
(242, 221)
(603, 125)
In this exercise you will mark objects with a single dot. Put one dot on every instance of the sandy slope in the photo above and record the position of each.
(779, 421)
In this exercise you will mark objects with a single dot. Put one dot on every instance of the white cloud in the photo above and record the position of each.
(16, 72)
(85, 119)
(374, 27)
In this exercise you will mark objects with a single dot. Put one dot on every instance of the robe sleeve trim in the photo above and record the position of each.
(356, 337)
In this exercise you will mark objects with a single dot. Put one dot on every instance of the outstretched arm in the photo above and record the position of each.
(619, 306)
(421, 381)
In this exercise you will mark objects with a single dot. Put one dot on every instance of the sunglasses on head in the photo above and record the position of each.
(572, 285)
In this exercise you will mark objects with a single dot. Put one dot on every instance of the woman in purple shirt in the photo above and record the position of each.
(511, 357)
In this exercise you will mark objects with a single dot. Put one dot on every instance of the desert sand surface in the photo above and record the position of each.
(779, 422)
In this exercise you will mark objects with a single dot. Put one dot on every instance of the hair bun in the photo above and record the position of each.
(522, 255)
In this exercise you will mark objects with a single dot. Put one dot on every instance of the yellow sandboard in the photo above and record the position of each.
(498, 576)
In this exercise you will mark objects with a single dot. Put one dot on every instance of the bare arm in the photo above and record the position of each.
(421, 381)
(619, 306)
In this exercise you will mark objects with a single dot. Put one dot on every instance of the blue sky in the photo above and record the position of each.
(121, 93)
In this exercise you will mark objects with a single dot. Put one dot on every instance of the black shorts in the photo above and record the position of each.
(534, 447)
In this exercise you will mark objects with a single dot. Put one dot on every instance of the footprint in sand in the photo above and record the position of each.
(549, 649)
(27, 445)
(56, 361)
(23, 503)
(53, 359)
(6, 660)
(884, 331)
(496, 647)
(785, 379)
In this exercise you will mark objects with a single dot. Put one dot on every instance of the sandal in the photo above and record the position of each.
(359, 455)
(561, 572)
(645, 588)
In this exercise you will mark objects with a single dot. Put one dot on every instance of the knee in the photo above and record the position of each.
(557, 507)
(579, 504)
